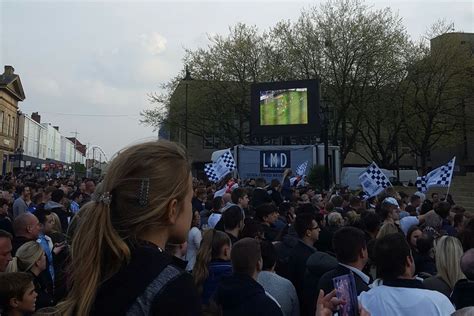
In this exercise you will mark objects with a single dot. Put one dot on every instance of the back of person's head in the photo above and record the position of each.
(442, 209)
(414, 199)
(355, 202)
(252, 229)
(448, 257)
(201, 192)
(284, 208)
(56, 222)
(22, 223)
(238, 193)
(26, 257)
(391, 252)
(410, 209)
(147, 188)
(57, 195)
(426, 207)
(14, 286)
(232, 217)
(275, 183)
(467, 264)
(246, 256)
(260, 182)
(42, 215)
(458, 209)
(303, 222)
(269, 255)
(348, 244)
(371, 221)
(335, 219)
(424, 243)
(337, 200)
(20, 189)
(433, 220)
(217, 203)
(213, 244)
(265, 210)
(306, 208)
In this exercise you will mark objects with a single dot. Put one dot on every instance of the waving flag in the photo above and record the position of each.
(373, 180)
(439, 177)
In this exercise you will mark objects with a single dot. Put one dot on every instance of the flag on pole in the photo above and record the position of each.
(223, 166)
(439, 177)
(301, 169)
(373, 180)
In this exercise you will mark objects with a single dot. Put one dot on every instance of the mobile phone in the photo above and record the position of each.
(346, 290)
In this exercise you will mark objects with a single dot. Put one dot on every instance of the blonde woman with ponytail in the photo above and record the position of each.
(30, 258)
(448, 253)
(212, 263)
(118, 263)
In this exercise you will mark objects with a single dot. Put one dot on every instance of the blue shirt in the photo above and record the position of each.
(45, 245)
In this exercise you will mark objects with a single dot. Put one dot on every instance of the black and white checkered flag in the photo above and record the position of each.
(210, 172)
(223, 166)
(227, 160)
(439, 177)
(373, 180)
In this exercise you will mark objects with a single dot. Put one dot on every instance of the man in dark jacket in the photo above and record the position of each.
(316, 266)
(240, 294)
(308, 232)
(351, 251)
(463, 293)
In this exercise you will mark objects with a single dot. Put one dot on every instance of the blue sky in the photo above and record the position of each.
(104, 57)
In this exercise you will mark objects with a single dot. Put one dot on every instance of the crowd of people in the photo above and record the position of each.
(151, 240)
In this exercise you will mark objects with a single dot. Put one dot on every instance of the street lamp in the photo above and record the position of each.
(186, 79)
(19, 155)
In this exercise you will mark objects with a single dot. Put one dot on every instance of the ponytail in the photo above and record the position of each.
(211, 246)
(97, 252)
(13, 265)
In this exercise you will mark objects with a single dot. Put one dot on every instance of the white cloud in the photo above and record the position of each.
(154, 43)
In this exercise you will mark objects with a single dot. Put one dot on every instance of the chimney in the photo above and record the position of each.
(9, 70)
(36, 117)
(56, 128)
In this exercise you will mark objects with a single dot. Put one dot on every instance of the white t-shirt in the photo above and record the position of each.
(213, 219)
(194, 241)
(387, 301)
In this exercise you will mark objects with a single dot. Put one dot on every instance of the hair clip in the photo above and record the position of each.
(144, 190)
(105, 198)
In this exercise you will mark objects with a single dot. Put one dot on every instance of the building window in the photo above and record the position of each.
(7, 131)
(1, 121)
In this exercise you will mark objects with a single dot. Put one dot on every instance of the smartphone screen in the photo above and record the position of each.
(346, 290)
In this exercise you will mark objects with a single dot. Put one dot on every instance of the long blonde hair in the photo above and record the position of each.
(56, 223)
(26, 257)
(134, 197)
(448, 260)
(210, 248)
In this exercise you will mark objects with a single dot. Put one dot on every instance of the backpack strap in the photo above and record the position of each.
(144, 302)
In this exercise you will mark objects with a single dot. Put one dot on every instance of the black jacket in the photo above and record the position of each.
(240, 295)
(317, 264)
(297, 264)
(463, 294)
(118, 294)
(326, 284)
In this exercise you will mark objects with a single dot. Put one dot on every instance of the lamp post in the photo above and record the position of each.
(19, 156)
(186, 79)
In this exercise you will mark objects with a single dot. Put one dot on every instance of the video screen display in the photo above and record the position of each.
(284, 107)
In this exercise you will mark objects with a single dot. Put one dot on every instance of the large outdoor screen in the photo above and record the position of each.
(285, 108)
